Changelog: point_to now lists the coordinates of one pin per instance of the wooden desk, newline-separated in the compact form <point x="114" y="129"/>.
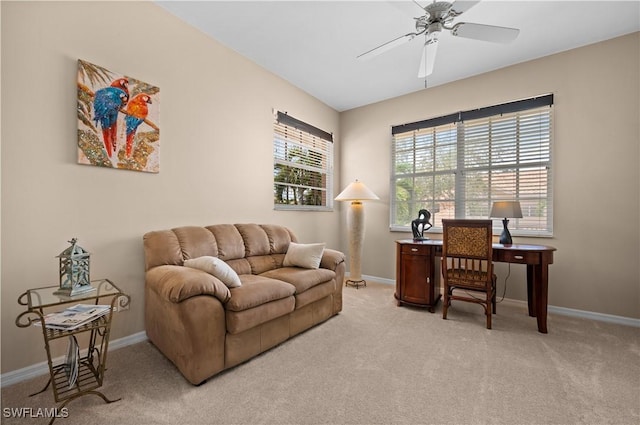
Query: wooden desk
<point x="536" y="257"/>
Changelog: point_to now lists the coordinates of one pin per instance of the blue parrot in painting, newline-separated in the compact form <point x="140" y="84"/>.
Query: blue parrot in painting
<point x="137" y="111"/>
<point x="106" y="104"/>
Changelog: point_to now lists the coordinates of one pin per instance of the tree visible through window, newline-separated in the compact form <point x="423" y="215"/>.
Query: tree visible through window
<point x="303" y="165"/>
<point x="457" y="165"/>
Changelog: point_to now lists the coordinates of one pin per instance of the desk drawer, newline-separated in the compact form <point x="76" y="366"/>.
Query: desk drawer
<point x="522" y="257"/>
<point x="416" y="249"/>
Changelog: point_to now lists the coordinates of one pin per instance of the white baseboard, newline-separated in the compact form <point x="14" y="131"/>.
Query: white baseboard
<point x="564" y="311"/>
<point x="610" y="318"/>
<point x="378" y="279"/>
<point x="42" y="368"/>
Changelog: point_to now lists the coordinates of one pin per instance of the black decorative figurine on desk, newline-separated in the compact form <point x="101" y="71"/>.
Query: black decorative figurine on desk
<point x="420" y="224"/>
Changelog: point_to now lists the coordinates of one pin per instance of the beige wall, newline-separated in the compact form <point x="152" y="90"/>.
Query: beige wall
<point x="216" y="115"/>
<point x="595" y="168"/>
<point x="216" y="160"/>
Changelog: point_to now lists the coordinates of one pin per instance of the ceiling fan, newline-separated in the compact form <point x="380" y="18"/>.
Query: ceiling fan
<point x="439" y="16"/>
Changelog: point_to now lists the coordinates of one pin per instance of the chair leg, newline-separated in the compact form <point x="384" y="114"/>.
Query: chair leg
<point x="494" y="297"/>
<point x="489" y="313"/>
<point x="445" y="302"/>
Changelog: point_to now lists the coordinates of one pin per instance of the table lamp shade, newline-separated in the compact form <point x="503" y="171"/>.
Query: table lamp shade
<point x="506" y="209"/>
<point x="356" y="192"/>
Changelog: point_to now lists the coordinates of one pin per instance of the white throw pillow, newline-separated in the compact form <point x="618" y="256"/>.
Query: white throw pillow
<point x="304" y="255"/>
<point x="216" y="267"/>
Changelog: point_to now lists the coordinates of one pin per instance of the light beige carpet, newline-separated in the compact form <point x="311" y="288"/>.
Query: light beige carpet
<point x="377" y="363"/>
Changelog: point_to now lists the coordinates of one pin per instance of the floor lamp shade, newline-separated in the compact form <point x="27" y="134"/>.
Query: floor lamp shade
<point x="356" y="192"/>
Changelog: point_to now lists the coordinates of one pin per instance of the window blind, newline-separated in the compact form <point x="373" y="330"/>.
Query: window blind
<point x="303" y="165"/>
<point x="456" y="166"/>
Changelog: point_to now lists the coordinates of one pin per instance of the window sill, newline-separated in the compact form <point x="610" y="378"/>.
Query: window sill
<point x="302" y="208"/>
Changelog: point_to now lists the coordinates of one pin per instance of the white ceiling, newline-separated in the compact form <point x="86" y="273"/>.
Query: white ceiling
<point x="314" y="44"/>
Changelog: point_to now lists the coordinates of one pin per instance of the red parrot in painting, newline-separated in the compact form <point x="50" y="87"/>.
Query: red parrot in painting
<point x="121" y="83"/>
<point x="137" y="111"/>
<point x="106" y="104"/>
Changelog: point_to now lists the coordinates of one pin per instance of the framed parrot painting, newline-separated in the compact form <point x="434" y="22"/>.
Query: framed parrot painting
<point x="118" y="120"/>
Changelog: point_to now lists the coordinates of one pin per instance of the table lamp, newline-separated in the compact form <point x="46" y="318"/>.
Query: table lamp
<point x="356" y="192"/>
<point x="506" y="210"/>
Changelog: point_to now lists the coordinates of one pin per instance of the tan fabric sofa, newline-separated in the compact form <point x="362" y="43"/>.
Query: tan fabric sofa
<point x="203" y="326"/>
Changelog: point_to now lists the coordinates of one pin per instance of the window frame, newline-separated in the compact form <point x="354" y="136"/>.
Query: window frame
<point x="293" y="135"/>
<point x="523" y="169"/>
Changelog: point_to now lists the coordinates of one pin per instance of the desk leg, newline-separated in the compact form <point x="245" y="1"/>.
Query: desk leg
<point x="540" y="294"/>
<point x="531" y="302"/>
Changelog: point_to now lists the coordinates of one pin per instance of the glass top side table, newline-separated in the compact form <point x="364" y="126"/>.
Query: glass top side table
<point x="45" y="297"/>
<point x="90" y="366"/>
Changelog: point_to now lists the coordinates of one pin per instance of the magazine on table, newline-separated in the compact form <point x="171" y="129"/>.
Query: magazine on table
<point x="74" y="317"/>
<point x="72" y="360"/>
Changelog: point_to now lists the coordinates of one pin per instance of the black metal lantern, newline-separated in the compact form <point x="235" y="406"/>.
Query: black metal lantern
<point x="74" y="270"/>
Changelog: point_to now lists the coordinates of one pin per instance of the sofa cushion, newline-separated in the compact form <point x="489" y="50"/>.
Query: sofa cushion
<point x="279" y="237"/>
<point x="316" y="293"/>
<point x="229" y="240"/>
<point x="262" y="263"/>
<point x="240" y="265"/>
<point x="301" y="279"/>
<point x="161" y="247"/>
<point x="304" y="255"/>
<point x="196" y="241"/>
<point x="216" y="267"/>
<point x="257" y="290"/>
<point x="240" y="321"/>
<point x="256" y="241"/>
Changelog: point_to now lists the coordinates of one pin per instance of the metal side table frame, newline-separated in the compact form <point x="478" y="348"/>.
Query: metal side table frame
<point x="91" y="364"/>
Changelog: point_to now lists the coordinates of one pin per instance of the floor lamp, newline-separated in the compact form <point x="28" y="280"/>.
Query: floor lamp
<point x="356" y="192"/>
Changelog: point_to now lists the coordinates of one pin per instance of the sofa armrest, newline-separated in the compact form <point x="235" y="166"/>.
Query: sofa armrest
<point x="178" y="283"/>
<point x="331" y="259"/>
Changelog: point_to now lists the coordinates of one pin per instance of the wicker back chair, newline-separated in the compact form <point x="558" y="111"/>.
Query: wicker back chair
<point x="467" y="253"/>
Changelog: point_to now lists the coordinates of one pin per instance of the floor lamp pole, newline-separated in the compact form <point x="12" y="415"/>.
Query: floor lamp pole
<point x="355" y="224"/>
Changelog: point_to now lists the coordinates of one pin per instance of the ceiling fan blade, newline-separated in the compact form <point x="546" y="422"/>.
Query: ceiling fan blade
<point x="406" y="7"/>
<point x="485" y="32"/>
<point x="461" y="6"/>
<point x="428" y="58"/>
<point x="387" y="46"/>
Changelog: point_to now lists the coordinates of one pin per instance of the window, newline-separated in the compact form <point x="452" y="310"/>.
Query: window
<point x="457" y="165"/>
<point x="302" y="165"/>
